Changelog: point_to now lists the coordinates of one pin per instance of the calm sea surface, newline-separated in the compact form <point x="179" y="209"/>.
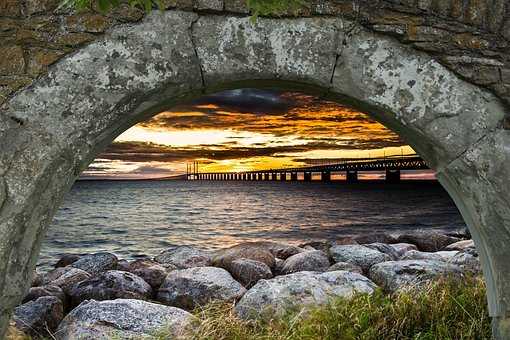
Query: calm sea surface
<point x="134" y="219"/>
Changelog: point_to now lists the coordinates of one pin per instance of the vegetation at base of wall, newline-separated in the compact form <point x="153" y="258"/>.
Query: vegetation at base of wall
<point x="257" y="7"/>
<point x="445" y="310"/>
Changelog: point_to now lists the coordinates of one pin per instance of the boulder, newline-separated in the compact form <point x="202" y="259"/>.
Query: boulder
<point x="189" y="288"/>
<point x="123" y="265"/>
<point x="279" y="250"/>
<point x="252" y="251"/>
<point x="359" y="255"/>
<point x="184" y="257"/>
<point x="461" y="245"/>
<point x="65" y="277"/>
<point x="469" y="262"/>
<point x="248" y="272"/>
<point x="36" y="292"/>
<point x="66" y="260"/>
<point x="345" y="240"/>
<point x="278" y="267"/>
<point x="384" y="248"/>
<point x="317" y="245"/>
<point x="402" y="248"/>
<point x="404" y="274"/>
<point x="152" y="273"/>
<point x="345" y="266"/>
<point x="123" y="319"/>
<point x="36" y="279"/>
<point x="421" y="255"/>
<point x="375" y="238"/>
<point x="273" y="298"/>
<point x="110" y="285"/>
<point x="429" y="241"/>
<point x="308" y="261"/>
<point x="96" y="263"/>
<point x="39" y="317"/>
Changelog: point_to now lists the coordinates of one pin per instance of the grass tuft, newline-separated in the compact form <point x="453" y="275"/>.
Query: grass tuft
<point x="446" y="310"/>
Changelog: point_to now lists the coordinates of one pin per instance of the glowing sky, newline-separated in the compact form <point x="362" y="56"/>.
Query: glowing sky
<point x="244" y="130"/>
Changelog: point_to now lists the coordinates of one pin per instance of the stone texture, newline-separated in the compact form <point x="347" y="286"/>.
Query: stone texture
<point x="375" y="238"/>
<point x="384" y="248"/>
<point x="420" y="255"/>
<point x="315" y="260"/>
<point x="190" y="288"/>
<point x="224" y="258"/>
<point x="248" y="272"/>
<point x="402" y="248"/>
<point x="110" y="285"/>
<point x="345" y="266"/>
<point x="12" y="61"/>
<point x="39" y="317"/>
<point x="65" y="277"/>
<point x="67" y="260"/>
<point x="36" y="292"/>
<point x="150" y="271"/>
<point x="428" y="240"/>
<point x="96" y="263"/>
<point x="461" y="245"/>
<point x="123" y="319"/>
<point x="273" y="298"/>
<point x="411" y="274"/>
<point x="184" y="257"/>
<point x="358" y="255"/>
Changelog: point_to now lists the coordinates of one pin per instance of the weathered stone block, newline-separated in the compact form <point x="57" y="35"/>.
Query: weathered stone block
<point x="11" y="60"/>
<point x="88" y="22"/>
<point x="39" y="60"/>
<point x="10" y="8"/>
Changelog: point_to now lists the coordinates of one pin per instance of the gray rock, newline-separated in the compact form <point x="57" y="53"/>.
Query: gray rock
<point x="421" y="255"/>
<point x="278" y="267"/>
<point x="402" y="248"/>
<point x="110" y="285"/>
<point x="150" y="271"/>
<point x="375" y="238"/>
<point x="250" y="250"/>
<point x="96" y="263"/>
<point x="470" y="263"/>
<point x="65" y="277"/>
<point x="395" y="275"/>
<point x="36" y="292"/>
<point x="36" y="279"/>
<point x="308" y="261"/>
<point x="184" y="257"/>
<point x="248" y="272"/>
<point x="123" y="319"/>
<point x="67" y="260"/>
<point x="279" y="250"/>
<point x="274" y="297"/>
<point x="345" y="266"/>
<point x="384" y="248"/>
<point x="357" y="254"/>
<point x="427" y="240"/>
<point x="123" y="265"/>
<point x="323" y="245"/>
<point x="38" y="317"/>
<point x="189" y="288"/>
<point x="461" y="245"/>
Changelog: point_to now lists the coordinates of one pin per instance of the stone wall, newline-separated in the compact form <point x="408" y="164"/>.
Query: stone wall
<point x="470" y="37"/>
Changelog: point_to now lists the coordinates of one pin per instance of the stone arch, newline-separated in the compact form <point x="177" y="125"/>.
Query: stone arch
<point x="50" y="131"/>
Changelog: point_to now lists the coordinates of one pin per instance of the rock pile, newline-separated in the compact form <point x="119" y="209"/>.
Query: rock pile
<point x="97" y="295"/>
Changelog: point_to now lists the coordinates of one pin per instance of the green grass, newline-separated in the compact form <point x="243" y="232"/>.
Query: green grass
<point x="445" y="310"/>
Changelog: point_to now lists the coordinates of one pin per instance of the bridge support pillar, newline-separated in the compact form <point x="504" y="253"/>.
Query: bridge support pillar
<point x="274" y="177"/>
<point x="351" y="176"/>
<point x="326" y="176"/>
<point x="307" y="176"/>
<point x="266" y="176"/>
<point x="283" y="176"/>
<point x="392" y="176"/>
<point x="293" y="176"/>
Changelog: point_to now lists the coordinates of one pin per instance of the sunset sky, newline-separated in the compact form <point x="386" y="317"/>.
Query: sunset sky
<point x="244" y="130"/>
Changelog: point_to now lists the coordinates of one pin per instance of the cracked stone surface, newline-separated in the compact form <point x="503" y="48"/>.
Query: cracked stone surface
<point x="52" y="129"/>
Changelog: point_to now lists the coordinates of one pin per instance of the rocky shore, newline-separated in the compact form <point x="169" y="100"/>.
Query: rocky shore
<point x="99" y="296"/>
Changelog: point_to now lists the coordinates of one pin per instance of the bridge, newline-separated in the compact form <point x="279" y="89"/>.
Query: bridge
<point x="351" y="167"/>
